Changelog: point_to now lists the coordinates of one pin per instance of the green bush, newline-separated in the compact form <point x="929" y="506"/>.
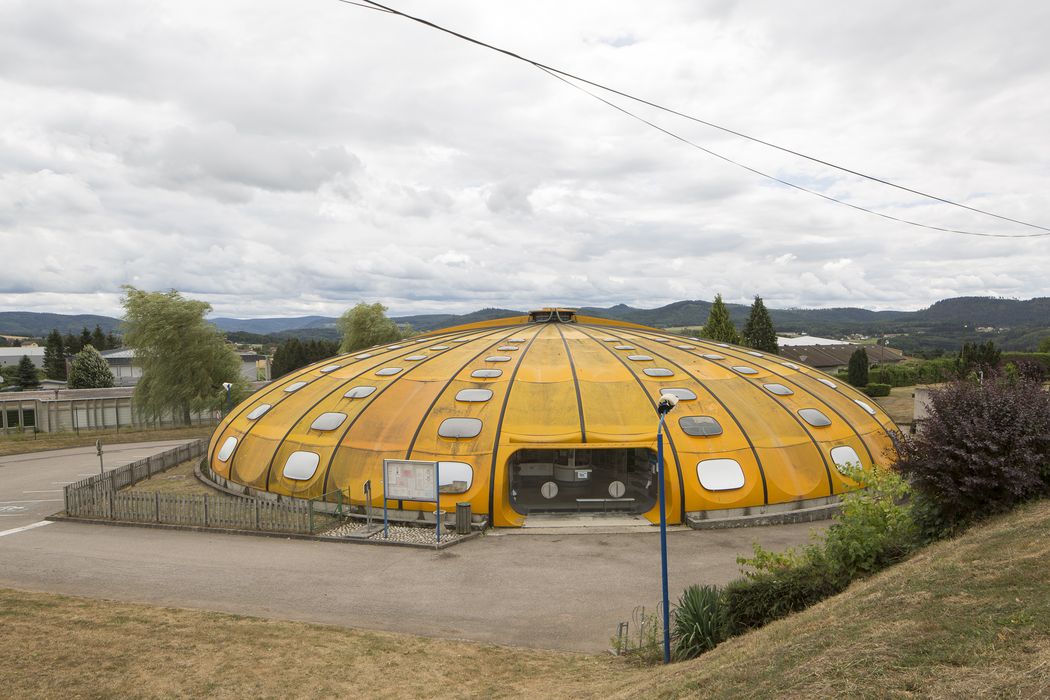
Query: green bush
<point x="699" y="622"/>
<point x="877" y="390"/>
<point x="875" y="528"/>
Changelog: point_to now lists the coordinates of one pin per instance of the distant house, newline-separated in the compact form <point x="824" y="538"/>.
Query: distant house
<point x="833" y="357"/>
<point x="12" y="356"/>
<point x="126" y="373"/>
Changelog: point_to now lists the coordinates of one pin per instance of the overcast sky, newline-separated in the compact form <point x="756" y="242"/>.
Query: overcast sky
<point x="281" y="158"/>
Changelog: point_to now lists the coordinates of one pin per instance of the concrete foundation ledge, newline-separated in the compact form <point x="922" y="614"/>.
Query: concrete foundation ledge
<point x="809" y="510"/>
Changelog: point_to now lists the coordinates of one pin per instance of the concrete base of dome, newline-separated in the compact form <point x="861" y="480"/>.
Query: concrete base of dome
<point x="805" y="511"/>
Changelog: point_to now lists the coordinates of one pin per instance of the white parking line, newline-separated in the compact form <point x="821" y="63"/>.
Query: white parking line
<point x="39" y="500"/>
<point x="16" y="530"/>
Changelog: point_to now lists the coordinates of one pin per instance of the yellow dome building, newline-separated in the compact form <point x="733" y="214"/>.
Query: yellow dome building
<point x="554" y="412"/>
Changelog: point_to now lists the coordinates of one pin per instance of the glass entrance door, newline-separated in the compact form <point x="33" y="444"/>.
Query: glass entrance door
<point x="582" y="480"/>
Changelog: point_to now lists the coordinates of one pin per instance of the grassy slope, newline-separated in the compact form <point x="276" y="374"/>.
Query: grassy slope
<point x="965" y="618"/>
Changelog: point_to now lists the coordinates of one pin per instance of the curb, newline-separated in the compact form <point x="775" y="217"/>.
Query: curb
<point x="802" y="515"/>
<point x="61" y="517"/>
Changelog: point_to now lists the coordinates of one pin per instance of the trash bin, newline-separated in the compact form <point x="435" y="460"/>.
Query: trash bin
<point x="462" y="518"/>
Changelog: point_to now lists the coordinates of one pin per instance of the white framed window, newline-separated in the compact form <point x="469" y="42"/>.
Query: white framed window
<point x="658" y="372"/>
<point x="388" y="371"/>
<point x="301" y="465"/>
<point x="814" y="417"/>
<point x="682" y="393"/>
<point x="778" y="389"/>
<point x="486" y="373"/>
<point x="640" y="358"/>
<point x="455" y="477"/>
<point x="743" y="369"/>
<point x="259" y="410"/>
<point x="845" y="458"/>
<point x="498" y="358"/>
<point x="720" y="474"/>
<point x="226" y="451"/>
<point x="700" y="426"/>
<point x="328" y="421"/>
<point x="330" y="368"/>
<point x="460" y="427"/>
<point x="474" y="395"/>
<point x="293" y="387"/>
<point x="359" y="392"/>
<point x="866" y="406"/>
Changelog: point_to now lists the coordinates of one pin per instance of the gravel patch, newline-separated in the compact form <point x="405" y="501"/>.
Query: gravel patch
<point x="402" y="534"/>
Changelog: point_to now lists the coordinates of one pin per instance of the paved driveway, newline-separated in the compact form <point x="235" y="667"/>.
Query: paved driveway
<point x="551" y="591"/>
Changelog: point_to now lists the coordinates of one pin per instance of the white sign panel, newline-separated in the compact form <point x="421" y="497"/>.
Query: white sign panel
<point x="410" y="480"/>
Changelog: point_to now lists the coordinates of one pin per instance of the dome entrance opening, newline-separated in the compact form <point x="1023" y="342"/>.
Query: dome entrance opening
<point x="604" y="480"/>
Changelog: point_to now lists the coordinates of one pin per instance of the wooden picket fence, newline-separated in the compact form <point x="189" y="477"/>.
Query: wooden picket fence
<point x="100" y="497"/>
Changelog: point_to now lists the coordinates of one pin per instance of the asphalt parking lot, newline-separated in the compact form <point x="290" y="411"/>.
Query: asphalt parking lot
<point x="561" y="591"/>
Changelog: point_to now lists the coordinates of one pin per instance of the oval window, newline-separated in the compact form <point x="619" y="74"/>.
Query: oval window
<point x="699" y="426"/>
<point x="685" y="347"/>
<point x="454" y="477"/>
<point x="516" y="340"/>
<point x="755" y="354"/>
<point x="363" y="356"/>
<point x="778" y="389"/>
<point x="329" y="368"/>
<point x="639" y="358"/>
<point x="259" y="410"/>
<point x="294" y="386"/>
<point x="416" y="358"/>
<point x="845" y="458"/>
<point x="301" y="465"/>
<point x="328" y="421"/>
<point x="791" y="365"/>
<point x="658" y="372"/>
<point x="720" y="474"/>
<point x="745" y="370"/>
<point x="866" y="406"/>
<point x="497" y="358"/>
<point x="227" y="449"/>
<point x="474" y="395"/>
<point x="814" y="417"/>
<point x="359" y="392"/>
<point x="827" y="382"/>
<point x="439" y="347"/>
<point x="459" y="427"/>
<point x="682" y="394"/>
<point x="486" y="373"/>
<point x="625" y="347"/>
<point x="388" y="371"/>
<point x="507" y="348"/>
<point x="712" y="356"/>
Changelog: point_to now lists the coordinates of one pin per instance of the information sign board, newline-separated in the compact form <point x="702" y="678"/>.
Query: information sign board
<point x="410" y="480"/>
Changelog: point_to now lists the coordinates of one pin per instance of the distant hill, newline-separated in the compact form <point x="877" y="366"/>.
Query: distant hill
<point x="1012" y="323"/>
<point x="31" y="323"/>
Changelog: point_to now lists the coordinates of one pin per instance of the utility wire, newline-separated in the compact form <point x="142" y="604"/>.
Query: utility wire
<point x="568" y="77"/>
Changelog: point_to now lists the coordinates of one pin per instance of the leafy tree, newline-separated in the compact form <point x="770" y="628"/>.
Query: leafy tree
<point x="858" y="367"/>
<point x="184" y="359"/>
<point x="719" y="326"/>
<point x="977" y="357"/>
<point x="759" y="332"/>
<point x="27" y="377"/>
<point x="55" y="356"/>
<point x="366" y="325"/>
<point x="89" y="370"/>
<point x="1044" y="346"/>
<point x="3" y="342"/>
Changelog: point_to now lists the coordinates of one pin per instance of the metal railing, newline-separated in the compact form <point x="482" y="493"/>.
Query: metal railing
<point x="100" y="497"/>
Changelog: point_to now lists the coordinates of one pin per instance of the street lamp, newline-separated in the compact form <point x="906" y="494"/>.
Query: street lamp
<point x="227" y="386"/>
<point x="666" y="404"/>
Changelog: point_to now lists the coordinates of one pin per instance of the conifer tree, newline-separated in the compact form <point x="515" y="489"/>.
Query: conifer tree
<point x="85" y="338"/>
<point x="72" y="344"/>
<point x="89" y="371"/>
<point x="759" y="332"/>
<point x="55" y="356"/>
<point x="858" y="368"/>
<point x="27" y="377"/>
<point x="719" y="326"/>
<point x="98" y="339"/>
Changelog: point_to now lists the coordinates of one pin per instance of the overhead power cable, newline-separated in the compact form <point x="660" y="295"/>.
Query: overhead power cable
<point x="568" y="78"/>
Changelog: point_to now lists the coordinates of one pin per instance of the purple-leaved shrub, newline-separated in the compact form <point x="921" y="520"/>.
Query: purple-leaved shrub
<point x="983" y="449"/>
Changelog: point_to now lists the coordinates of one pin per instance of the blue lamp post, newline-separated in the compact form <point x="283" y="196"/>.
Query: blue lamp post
<point x="227" y="386"/>
<point x="666" y="404"/>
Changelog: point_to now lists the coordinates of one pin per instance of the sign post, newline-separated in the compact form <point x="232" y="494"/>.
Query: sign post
<point x="411" y="480"/>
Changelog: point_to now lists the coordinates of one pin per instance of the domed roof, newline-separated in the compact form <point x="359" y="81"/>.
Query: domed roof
<point x="555" y="403"/>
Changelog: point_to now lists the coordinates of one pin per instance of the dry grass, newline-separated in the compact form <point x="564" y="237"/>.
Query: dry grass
<point x="900" y="404"/>
<point x="965" y="618"/>
<point x="180" y="479"/>
<point x="20" y="443"/>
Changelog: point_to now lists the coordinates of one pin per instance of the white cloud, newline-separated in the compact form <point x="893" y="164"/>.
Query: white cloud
<point x="275" y="158"/>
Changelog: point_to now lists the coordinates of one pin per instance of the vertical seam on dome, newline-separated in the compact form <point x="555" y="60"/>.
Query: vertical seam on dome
<point x="831" y="408"/>
<point x="670" y="440"/>
<point x="499" y="424"/>
<point x="375" y="396"/>
<point x="736" y="421"/>
<point x="426" y="414"/>
<point x="778" y="402"/>
<point x="575" y="382"/>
